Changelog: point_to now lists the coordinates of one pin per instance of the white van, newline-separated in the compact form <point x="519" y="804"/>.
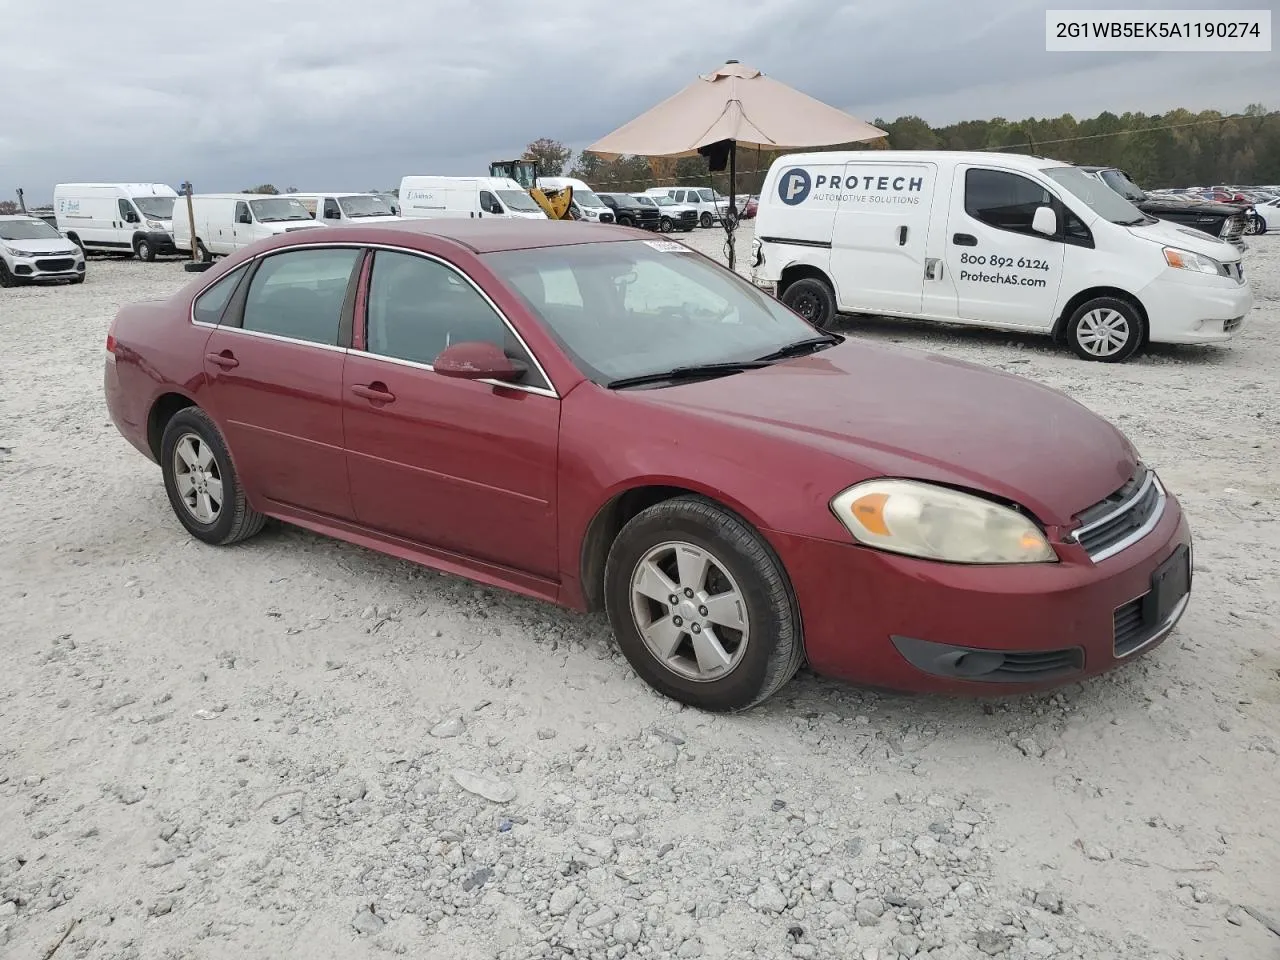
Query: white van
<point x="467" y="197"/>
<point x="132" y="218"/>
<point x="702" y="199"/>
<point x="225" y="222"/>
<point x="345" y="209"/>
<point x="589" y="206"/>
<point x="996" y="240"/>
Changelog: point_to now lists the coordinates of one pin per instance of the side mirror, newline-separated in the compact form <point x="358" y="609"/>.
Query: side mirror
<point x="1045" y="221"/>
<point x="476" y="360"/>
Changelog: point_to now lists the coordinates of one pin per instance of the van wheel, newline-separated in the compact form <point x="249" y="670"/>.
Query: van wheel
<point x="666" y="224"/>
<point x="701" y="606"/>
<point x="1105" y="329"/>
<point x="144" y="251"/>
<point x="76" y="240"/>
<point x="814" y="300"/>
<point x="706" y="220"/>
<point x="202" y="254"/>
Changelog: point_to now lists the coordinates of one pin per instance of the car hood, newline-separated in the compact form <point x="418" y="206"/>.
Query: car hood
<point x="902" y="413"/>
<point x="1167" y="232"/>
<point x="1159" y="205"/>
<point x="53" y="245"/>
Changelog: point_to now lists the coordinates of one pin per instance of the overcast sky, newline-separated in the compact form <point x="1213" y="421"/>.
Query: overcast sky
<point x="329" y="94"/>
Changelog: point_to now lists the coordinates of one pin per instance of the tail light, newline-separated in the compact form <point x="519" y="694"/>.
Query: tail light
<point x="111" y="341"/>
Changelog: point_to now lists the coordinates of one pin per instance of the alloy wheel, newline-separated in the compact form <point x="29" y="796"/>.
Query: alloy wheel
<point x="689" y="611"/>
<point x="198" y="479"/>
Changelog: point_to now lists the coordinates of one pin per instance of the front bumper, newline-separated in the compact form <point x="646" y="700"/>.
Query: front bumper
<point x="161" y="242"/>
<point x="1194" y="312"/>
<point x="47" y="267"/>
<point x="900" y="623"/>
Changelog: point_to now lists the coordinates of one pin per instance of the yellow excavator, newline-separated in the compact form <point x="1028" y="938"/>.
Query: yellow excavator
<point x="556" y="203"/>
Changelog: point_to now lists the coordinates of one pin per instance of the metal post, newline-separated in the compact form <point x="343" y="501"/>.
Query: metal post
<point x="191" y="218"/>
<point x="22" y="203"/>
<point x="731" y="215"/>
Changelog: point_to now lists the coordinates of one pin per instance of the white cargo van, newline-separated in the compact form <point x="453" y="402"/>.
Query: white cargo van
<point x="345" y="209"/>
<point x="467" y="197"/>
<point x="225" y="222"/>
<point x="589" y="207"/>
<point x="132" y="218"/>
<point x="996" y="240"/>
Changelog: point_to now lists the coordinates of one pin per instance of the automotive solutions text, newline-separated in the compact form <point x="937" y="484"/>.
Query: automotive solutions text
<point x="836" y="184"/>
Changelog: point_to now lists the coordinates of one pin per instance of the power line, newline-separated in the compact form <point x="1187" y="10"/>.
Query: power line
<point x="1122" y="133"/>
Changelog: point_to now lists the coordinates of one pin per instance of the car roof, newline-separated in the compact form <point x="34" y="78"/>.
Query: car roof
<point x="21" y="216"/>
<point x="480" y="236"/>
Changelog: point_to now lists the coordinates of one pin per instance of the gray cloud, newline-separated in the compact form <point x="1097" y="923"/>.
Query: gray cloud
<point x="316" y="93"/>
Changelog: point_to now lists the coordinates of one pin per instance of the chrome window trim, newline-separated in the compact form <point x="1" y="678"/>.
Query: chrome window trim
<point x="1157" y="513"/>
<point x="540" y="391"/>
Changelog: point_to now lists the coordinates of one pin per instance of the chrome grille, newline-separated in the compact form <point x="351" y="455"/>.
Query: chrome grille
<point x="1228" y="326"/>
<point x="1123" y="518"/>
<point x="1233" y="227"/>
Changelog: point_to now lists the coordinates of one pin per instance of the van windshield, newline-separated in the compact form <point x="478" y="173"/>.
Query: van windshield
<point x="27" y="230"/>
<point x="1096" y="195"/>
<point x="586" y="198"/>
<point x="706" y="195"/>
<point x="360" y="206"/>
<point x="156" y="208"/>
<point x="277" y="209"/>
<point x="518" y="200"/>
<point x="645" y="201"/>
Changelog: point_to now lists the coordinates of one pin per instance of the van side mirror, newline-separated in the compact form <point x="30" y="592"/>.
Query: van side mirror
<point x="1045" y="221"/>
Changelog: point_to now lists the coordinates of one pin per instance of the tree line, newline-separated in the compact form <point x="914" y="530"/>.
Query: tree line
<point x="1178" y="148"/>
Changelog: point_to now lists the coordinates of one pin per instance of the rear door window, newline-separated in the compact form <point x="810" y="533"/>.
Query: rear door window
<point x="209" y="306"/>
<point x="300" y="294"/>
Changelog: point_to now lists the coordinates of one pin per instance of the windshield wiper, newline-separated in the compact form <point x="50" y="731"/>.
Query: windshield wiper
<point x="800" y="348"/>
<point x="693" y="371"/>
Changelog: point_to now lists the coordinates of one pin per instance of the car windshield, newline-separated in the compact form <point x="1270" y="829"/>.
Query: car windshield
<point x="640" y="307"/>
<point x="277" y="209"/>
<point x="1122" y="185"/>
<point x="518" y="200"/>
<point x="362" y="206"/>
<point x="664" y="201"/>
<point x="1096" y="195"/>
<point x="586" y="198"/>
<point x="157" y="208"/>
<point x="27" y="230"/>
<point x="645" y="201"/>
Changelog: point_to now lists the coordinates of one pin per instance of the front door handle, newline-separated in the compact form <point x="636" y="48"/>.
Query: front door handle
<point x="902" y="236"/>
<point x="376" y="391"/>
<point x="226" y="359"/>
<point x="965" y="240"/>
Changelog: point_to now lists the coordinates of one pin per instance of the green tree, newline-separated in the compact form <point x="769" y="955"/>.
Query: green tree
<point x="552" y="155"/>
<point x="266" y="188"/>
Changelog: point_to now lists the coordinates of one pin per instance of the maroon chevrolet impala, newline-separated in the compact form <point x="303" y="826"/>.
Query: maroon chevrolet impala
<point x="605" y="420"/>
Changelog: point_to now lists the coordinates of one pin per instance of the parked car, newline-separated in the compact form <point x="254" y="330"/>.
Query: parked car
<point x="702" y="199"/>
<point x="671" y="215"/>
<point x="338" y="207"/>
<point x="32" y="251"/>
<point x="225" y="222"/>
<point x="1270" y="214"/>
<point x="630" y="212"/>
<point x="509" y="401"/>
<point x="750" y="208"/>
<point x="1225" y="221"/>
<point x="994" y="240"/>
<point x="132" y="218"/>
<point x="467" y="198"/>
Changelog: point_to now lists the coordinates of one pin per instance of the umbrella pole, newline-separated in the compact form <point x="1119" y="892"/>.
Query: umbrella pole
<point x="731" y="215"/>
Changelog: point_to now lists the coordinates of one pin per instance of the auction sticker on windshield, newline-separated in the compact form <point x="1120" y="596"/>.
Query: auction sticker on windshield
<point x="668" y="246"/>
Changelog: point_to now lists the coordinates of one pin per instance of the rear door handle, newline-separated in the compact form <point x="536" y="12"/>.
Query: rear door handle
<point x="226" y="359"/>
<point x="965" y="240"/>
<point x="902" y="236"/>
<point x="376" y="391"/>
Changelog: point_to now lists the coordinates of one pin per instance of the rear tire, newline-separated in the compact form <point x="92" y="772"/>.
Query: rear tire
<point x="201" y="481"/>
<point x="706" y="220"/>
<point x="1106" y="330"/>
<point x="721" y="572"/>
<point x="202" y="253"/>
<point x="814" y="300"/>
<point x="144" y="251"/>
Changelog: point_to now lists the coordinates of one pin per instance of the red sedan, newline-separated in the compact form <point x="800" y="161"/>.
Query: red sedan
<point x="603" y="419"/>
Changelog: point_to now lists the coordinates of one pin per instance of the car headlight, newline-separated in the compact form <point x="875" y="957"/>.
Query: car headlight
<point x="154" y="225"/>
<point x="1195" y="262"/>
<point x="938" y="523"/>
<point x="757" y="252"/>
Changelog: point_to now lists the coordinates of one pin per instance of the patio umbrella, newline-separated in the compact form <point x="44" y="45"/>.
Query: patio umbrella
<point x="734" y="104"/>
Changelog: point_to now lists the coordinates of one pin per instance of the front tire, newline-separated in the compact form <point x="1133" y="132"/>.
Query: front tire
<point x="7" y="279"/>
<point x="814" y="300"/>
<point x="666" y="224"/>
<point x="706" y="220"/>
<point x="624" y="221"/>
<point x="202" y="252"/>
<point x="701" y="606"/>
<point x="1255" y="227"/>
<point x="1106" y="330"/>
<point x="201" y="481"/>
<point x="144" y="251"/>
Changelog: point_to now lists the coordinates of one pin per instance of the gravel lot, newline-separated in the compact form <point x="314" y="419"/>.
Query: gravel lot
<point x="300" y="748"/>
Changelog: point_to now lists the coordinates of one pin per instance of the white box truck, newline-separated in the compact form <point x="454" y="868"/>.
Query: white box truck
<point x="135" y="218"/>
<point x="225" y="222"/>
<point x="995" y="240"/>
<point x="467" y="197"/>
<point x="345" y="209"/>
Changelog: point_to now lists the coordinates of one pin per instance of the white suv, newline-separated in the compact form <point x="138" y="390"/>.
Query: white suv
<point x="30" y="249"/>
